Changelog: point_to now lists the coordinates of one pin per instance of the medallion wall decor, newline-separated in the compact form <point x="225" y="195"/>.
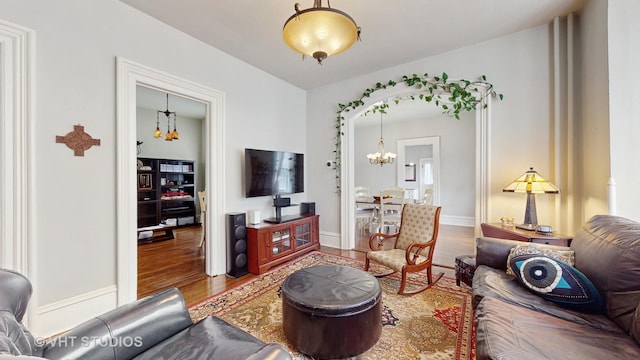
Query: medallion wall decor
<point x="453" y="96"/>
<point x="78" y="140"/>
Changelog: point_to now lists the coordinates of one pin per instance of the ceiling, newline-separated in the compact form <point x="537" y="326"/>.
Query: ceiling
<point x="393" y="32"/>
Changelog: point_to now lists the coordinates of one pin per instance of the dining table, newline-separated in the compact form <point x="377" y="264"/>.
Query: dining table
<point x="373" y="202"/>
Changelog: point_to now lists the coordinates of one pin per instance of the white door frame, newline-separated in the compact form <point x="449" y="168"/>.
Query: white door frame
<point x="17" y="79"/>
<point x="17" y="57"/>
<point x="129" y="76"/>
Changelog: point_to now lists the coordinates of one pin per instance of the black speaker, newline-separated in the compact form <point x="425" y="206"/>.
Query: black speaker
<point x="308" y="208"/>
<point x="236" y="245"/>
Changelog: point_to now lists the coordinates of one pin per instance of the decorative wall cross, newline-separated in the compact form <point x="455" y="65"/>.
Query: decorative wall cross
<point x="78" y="140"/>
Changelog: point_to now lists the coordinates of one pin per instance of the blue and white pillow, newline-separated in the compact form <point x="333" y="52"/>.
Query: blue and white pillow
<point x="556" y="281"/>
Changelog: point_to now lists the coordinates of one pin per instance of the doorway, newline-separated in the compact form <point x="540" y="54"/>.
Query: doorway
<point x="423" y="154"/>
<point x="170" y="149"/>
<point x="129" y="76"/>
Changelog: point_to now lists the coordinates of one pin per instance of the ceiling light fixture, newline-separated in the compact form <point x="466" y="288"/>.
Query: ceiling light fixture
<point x="320" y="31"/>
<point x="171" y="135"/>
<point x="381" y="157"/>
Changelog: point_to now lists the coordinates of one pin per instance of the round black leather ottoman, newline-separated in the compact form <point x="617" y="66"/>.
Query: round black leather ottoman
<point x="332" y="311"/>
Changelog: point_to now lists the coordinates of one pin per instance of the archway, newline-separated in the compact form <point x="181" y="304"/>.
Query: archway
<point x="406" y="91"/>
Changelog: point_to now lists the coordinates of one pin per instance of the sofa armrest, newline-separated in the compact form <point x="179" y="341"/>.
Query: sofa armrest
<point x="125" y="331"/>
<point x="494" y="252"/>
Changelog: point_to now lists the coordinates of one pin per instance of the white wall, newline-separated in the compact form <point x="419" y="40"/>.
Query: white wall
<point x="519" y="67"/>
<point x="610" y="109"/>
<point x="74" y="222"/>
<point x="623" y="28"/>
<point x="595" y="108"/>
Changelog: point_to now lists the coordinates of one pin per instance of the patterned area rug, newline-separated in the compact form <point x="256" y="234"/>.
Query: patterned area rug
<point x="435" y="324"/>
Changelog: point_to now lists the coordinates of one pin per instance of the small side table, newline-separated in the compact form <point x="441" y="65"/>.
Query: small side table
<point x="500" y="231"/>
<point x="465" y="268"/>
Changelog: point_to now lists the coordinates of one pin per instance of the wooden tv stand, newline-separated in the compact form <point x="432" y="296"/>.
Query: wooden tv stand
<point x="269" y="245"/>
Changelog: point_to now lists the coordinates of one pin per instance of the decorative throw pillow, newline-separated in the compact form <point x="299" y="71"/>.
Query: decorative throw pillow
<point x="556" y="281"/>
<point x="567" y="256"/>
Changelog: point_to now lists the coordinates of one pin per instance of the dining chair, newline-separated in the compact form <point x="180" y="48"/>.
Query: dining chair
<point x="202" y="196"/>
<point x="364" y="213"/>
<point x="391" y="203"/>
<point x="413" y="246"/>
<point x="427" y="198"/>
<point x="394" y="190"/>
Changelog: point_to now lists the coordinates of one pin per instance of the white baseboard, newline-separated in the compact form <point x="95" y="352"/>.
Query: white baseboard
<point x="457" y="220"/>
<point x="330" y="239"/>
<point x="57" y="317"/>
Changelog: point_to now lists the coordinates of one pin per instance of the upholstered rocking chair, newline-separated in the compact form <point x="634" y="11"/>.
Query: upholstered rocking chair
<point x="413" y="248"/>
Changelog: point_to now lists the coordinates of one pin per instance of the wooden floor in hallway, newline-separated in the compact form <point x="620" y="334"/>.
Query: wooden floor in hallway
<point x="180" y="262"/>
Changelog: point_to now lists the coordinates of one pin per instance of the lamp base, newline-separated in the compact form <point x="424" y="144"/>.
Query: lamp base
<point x="529" y="227"/>
<point x="530" y="215"/>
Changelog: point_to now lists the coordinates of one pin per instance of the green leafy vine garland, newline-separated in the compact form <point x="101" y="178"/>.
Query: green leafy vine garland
<point x="452" y="96"/>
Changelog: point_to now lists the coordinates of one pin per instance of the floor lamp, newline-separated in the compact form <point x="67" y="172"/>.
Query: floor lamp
<point x="531" y="183"/>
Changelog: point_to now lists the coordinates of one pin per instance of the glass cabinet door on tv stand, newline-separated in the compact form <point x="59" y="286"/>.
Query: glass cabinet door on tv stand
<point x="303" y="234"/>
<point x="280" y="242"/>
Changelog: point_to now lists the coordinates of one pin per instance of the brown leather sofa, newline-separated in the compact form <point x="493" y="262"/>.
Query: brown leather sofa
<point x="515" y="323"/>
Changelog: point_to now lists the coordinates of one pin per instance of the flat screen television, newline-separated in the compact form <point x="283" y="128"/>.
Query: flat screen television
<point x="271" y="173"/>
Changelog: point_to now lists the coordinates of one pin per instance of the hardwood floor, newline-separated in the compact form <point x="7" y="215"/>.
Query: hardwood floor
<point x="452" y="241"/>
<point x="180" y="262"/>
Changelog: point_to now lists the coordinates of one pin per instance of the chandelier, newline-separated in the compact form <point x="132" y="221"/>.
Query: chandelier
<point x="320" y="31"/>
<point x="381" y="157"/>
<point x="171" y="135"/>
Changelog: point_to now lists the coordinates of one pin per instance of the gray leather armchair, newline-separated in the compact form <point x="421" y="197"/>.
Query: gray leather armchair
<point x="155" y="327"/>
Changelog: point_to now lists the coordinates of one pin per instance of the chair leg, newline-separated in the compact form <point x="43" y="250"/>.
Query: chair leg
<point x="430" y="282"/>
<point x="203" y="233"/>
<point x="378" y="275"/>
<point x="403" y="283"/>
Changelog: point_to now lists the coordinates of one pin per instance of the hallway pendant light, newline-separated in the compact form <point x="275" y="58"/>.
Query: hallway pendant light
<point x="319" y="31"/>
<point x="174" y="133"/>
<point x="171" y="135"/>
<point x="157" y="133"/>
<point x="381" y="157"/>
